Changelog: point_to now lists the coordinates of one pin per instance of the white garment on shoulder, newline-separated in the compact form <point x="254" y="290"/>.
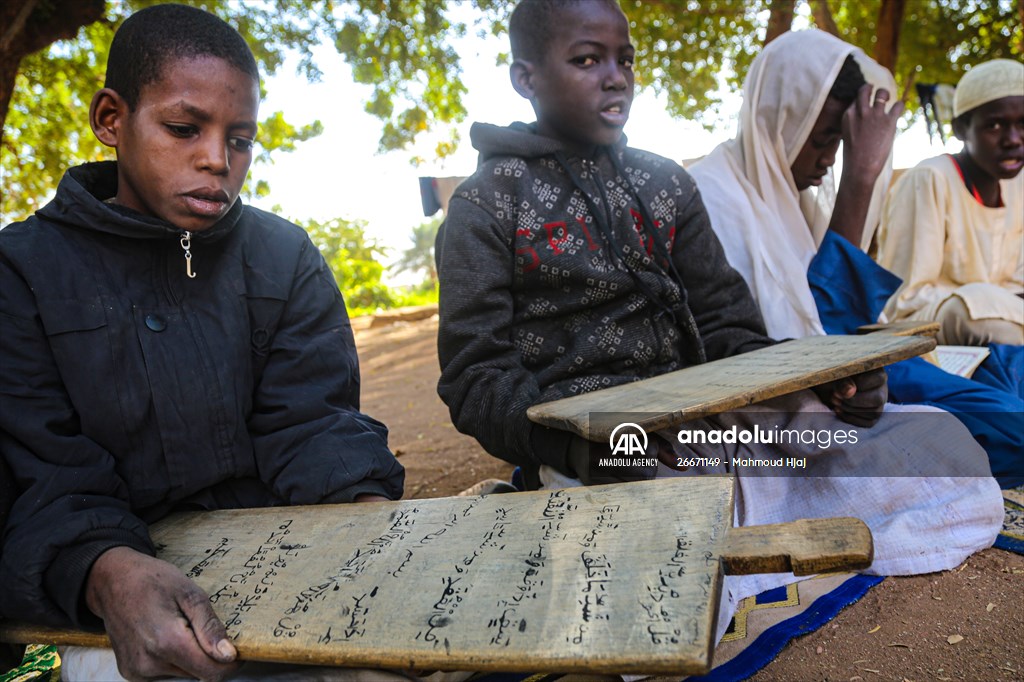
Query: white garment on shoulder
<point x="942" y="242"/>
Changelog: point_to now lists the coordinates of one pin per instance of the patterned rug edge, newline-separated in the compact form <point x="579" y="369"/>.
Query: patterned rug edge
<point x="769" y="643"/>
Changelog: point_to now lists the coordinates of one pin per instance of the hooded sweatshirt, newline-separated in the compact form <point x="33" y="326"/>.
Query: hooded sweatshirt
<point x="129" y="390"/>
<point x="561" y="275"/>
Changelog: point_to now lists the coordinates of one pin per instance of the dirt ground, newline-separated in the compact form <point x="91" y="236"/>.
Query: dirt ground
<point x="964" y="624"/>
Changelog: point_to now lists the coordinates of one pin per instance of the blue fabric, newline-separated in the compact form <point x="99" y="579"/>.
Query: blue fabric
<point x="1009" y="543"/>
<point x="850" y="290"/>
<point x="1003" y="368"/>
<point x="771" y="596"/>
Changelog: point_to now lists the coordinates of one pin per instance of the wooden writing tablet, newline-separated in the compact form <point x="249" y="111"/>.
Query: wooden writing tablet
<point x="619" y="578"/>
<point x="701" y="390"/>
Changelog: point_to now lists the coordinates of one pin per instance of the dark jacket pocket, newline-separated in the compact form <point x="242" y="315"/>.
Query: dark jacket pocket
<point x="72" y="315"/>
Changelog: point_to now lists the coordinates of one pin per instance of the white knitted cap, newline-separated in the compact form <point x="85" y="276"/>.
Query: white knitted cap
<point x="987" y="82"/>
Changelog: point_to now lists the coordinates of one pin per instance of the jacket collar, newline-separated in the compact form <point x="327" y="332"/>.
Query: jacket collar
<point x="80" y="203"/>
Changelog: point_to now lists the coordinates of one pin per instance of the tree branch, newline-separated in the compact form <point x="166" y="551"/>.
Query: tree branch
<point x="890" y="21"/>
<point x="16" y="25"/>
<point x="907" y="87"/>
<point x="780" y="20"/>
<point x="32" y="27"/>
<point x="823" y="19"/>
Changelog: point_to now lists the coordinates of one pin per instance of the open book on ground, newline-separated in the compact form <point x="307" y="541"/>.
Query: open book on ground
<point x="958" y="360"/>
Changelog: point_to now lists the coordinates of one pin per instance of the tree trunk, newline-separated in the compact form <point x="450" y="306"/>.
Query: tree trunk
<point x="780" y="20"/>
<point x="822" y="14"/>
<point x="30" y="25"/>
<point x="8" y="70"/>
<point x="887" y="35"/>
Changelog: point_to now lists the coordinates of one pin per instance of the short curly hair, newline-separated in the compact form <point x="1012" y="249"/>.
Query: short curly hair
<point x="151" y="37"/>
<point x="849" y="81"/>
<point x="529" y="28"/>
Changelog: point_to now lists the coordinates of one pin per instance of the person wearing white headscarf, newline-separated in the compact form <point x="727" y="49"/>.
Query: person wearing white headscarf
<point x="771" y="200"/>
<point x="770" y="221"/>
<point x="953" y="226"/>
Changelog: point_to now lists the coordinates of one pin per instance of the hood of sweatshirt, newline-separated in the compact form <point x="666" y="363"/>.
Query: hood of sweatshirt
<point x="81" y="203"/>
<point x="518" y="139"/>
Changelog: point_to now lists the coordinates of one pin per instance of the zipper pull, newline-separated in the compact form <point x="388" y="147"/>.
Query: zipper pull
<point x="186" y="244"/>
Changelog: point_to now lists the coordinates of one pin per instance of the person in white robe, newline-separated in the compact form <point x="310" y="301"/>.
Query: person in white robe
<point x="953" y="226"/>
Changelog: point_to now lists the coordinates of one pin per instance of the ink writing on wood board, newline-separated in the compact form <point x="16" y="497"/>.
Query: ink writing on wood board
<point x="622" y="578"/>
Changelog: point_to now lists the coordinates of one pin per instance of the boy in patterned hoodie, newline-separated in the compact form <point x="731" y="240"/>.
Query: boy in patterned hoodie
<point x="570" y="262"/>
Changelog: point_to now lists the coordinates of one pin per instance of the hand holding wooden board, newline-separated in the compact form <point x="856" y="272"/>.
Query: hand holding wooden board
<point x="619" y="578"/>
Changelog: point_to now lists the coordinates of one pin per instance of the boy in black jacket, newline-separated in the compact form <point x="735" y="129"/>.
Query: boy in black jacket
<point x="570" y="262"/>
<point x="165" y="347"/>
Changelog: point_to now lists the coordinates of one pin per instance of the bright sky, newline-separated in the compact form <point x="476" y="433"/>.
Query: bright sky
<point x="340" y="173"/>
